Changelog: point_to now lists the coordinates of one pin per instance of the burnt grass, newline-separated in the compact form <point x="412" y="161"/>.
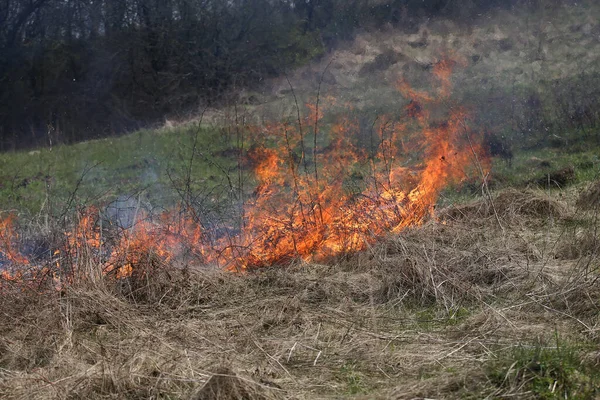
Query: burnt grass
<point x="494" y="298"/>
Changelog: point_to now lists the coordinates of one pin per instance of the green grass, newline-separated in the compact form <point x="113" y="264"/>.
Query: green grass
<point x="152" y="164"/>
<point x="352" y="379"/>
<point x="435" y="318"/>
<point x="550" y="371"/>
<point x="147" y="162"/>
<point x="528" y="166"/>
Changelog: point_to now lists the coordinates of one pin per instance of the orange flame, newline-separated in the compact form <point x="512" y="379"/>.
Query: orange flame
<point x="8" y="237"/>
<point x="310" y="202"/>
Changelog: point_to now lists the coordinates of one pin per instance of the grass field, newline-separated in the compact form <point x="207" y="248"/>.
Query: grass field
<point x="494" y="295"/>
<point x="101" y="170"/>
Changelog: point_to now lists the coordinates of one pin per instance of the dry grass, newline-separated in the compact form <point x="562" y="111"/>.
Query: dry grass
<point x="510" y="206"/>
<point x="590" y="198"/>
<point x="422" y="315"/>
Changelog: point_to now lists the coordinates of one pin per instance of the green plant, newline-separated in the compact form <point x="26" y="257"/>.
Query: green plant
<point x="434" y="318"/>
<point x="549" y="371"/>
<point x="352" y="378"/>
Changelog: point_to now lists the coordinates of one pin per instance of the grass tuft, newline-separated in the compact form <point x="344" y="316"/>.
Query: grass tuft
<point x="554" y="371"/>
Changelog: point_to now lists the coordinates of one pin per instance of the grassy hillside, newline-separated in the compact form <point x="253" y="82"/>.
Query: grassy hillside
<point x="155" y="164"/>
<point x="490" y="292"/>
<point x="145" y="162"/>
<point x="529" y="77"/>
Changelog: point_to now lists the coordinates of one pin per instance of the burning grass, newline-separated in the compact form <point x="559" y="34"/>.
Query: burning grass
<point x="442" y="310"/>
<point x="315" y="196"/>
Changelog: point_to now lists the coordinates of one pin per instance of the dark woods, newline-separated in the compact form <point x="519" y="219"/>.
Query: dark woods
<point x="75" y="69"/>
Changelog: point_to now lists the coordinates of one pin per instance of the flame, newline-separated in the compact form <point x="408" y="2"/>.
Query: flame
<point x="313" y="216"/>
<point x="316" y="196"/>
<point x="8" y="238"/>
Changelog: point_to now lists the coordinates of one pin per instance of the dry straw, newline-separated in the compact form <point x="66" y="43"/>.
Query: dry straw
<point x="452" y="295"/>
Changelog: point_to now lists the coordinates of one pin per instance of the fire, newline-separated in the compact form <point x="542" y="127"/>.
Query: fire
<point x="311" y="214"/>
<point x="316" y="195"/>
<point x="8" y="237"/>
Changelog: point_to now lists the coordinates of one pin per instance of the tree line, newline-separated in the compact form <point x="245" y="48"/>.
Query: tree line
<point x="72" y="70"/>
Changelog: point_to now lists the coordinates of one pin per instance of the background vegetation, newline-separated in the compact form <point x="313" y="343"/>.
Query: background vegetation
<point x="71" y="70"/>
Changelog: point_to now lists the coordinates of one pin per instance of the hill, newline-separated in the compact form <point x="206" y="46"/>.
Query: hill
<point x="413" y="216"/>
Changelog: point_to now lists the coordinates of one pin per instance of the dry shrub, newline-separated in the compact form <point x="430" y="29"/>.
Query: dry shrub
<point x="559" y="178"/>
<point x="529" y="203"/>
<point x="153" y="280"/>
<point x="590" y="197"/>
<point x="509" y="205"/>
<point x="582" y="244"/>
<point x="91" y="308"/>
<point x="224" y="384"/>
<point x="148" y="281"/>
<point x="87" y="343"/>
<point x="27" y="322"/>
<point x="578" y="297"/>
<point x="433" y="264"/>
<point x="422" y="273"/>
<point x="407" y="267"/>
<point x="304" y="330"/>
<point x="443" y="264"/>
